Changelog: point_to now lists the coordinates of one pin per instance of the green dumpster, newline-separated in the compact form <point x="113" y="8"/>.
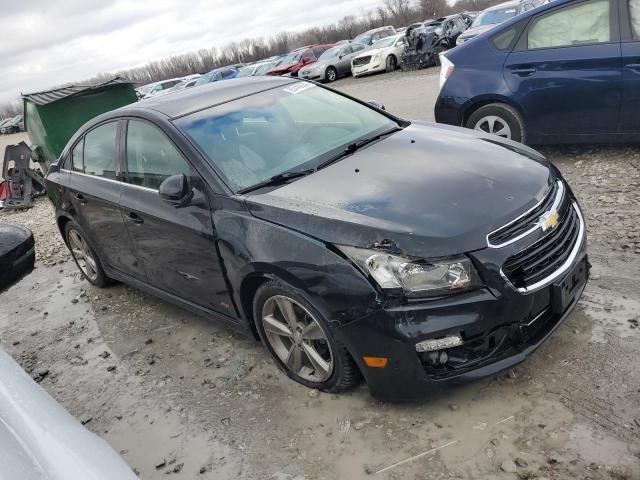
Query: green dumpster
<point x="52" y="117"/>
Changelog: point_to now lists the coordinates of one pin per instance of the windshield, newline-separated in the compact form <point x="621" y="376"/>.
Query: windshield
<point x="146" y="88"/>
<point x="491" y="17"/>
<point x="385" y="42"/>
<point x="204" y="79"/>
<point x="332" y="52"/>
<point x="293" y="57"/>
<point x="262" y="69"/>
<point x="246" y="71"/>
<point x="288" y="128"/>
<point x="365" y="39"/>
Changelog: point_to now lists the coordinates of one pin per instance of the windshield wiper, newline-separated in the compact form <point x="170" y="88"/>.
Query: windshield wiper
<point x="277" y="179"/>
<point x="354" y="147"/>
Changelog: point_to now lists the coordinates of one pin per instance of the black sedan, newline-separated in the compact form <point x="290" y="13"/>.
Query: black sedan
<point x="352" y="242"/>
<point x="17" y="253"/>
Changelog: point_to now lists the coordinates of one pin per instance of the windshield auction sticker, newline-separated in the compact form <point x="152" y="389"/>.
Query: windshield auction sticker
<point x="298" y="87"/>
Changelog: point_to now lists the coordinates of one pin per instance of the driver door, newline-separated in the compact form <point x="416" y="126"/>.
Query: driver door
<point x="176" y="245"/>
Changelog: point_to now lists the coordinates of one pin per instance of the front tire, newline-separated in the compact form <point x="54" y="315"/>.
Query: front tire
<point x="85" y="257"/>
<point x="331" y="75"/>
<point x="498" y="119"/>
<point x="391" y="64"/>
<point x="298" y="337"/>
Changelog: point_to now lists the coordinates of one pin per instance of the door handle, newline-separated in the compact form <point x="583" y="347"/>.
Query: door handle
<point x="633" y="66"/>
<point x="523" y="71"/>
<point x="80" y="197"/>
<point x="135" y="218"/>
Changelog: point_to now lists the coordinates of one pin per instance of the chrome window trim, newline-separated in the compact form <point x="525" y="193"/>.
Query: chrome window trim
<point x="119" y="182"/>
<point x="563" y="268"/>
<point x="556" y="204"/>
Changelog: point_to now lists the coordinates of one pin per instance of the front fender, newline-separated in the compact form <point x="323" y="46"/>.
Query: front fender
<point x="253" y="247"/>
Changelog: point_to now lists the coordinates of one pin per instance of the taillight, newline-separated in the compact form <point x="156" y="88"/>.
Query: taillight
<point x="446" y="69"/>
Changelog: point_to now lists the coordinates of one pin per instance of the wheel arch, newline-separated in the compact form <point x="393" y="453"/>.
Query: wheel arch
<point x="471" y="107"/>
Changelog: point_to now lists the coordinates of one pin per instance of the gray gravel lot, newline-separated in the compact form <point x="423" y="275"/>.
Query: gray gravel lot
<point x="188" y="392"/>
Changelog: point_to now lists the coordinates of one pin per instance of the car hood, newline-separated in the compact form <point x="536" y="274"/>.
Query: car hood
<point x="283" y="68"/>
<point x="475" y="31"/>
<point x="430" y="190"/>
<point x="371" y="52"/>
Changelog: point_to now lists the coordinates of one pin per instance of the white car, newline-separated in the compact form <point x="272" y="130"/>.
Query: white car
<point x="153" y="89"/>
<point x="383" y="56"/>
<point x="40" y="440"/>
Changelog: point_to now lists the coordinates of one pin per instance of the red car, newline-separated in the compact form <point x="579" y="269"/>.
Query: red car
<point x="298" y="58"/>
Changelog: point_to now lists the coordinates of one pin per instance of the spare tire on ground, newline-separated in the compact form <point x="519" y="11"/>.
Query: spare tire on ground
<point x="17" y="253"/>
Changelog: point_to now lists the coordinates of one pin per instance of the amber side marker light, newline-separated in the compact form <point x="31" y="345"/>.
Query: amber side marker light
<point x="376" y="362"/>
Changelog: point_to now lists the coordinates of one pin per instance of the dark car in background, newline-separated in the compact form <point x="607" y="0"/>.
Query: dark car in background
<point x="457" y="256"/>
<point x="297" y="59"/>
<point x="447" y="29"/>
<point x="566" y="72"/>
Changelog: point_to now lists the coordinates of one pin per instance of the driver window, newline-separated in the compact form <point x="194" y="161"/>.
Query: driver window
<point x="151" y="157"/>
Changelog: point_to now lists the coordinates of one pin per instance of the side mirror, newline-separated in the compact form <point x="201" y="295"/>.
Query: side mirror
<point x="378" y="105"/>
<point x="175" y="190"/>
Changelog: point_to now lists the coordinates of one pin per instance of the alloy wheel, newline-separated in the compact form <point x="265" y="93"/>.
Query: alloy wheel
<point x="493" y="125"/>
<point x="83" y="255"/>
<point x="331" y="75"/>
<point x="297" y="339"/>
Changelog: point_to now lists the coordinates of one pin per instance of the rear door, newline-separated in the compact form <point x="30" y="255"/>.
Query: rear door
<point x="176" y="245"/>
<point x="566" y="70"/>
<point x="630" y="31"/>
<point x="94" y="194"/>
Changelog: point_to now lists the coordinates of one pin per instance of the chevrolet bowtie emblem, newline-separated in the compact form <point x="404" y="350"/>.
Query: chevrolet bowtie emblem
<point x="549" y="220"/>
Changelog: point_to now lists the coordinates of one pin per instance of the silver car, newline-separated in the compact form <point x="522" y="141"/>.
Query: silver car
<point x="332" y="64"/>
<point x="40" y="440"/>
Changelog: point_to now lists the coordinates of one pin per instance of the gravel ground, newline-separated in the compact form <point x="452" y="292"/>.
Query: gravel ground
<point x="178" y="395"/>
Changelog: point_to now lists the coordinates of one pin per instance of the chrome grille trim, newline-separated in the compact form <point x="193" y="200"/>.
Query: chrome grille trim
<point x="563" y="268"/>
<point x="556" y="203"/>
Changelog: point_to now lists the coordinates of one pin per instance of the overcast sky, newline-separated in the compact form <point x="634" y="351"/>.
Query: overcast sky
<point x="45" y="43"/>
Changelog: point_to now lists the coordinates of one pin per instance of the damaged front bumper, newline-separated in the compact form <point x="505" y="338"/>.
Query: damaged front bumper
<point x="498" y="333"/>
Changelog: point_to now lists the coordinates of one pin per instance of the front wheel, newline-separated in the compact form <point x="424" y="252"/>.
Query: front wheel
<point x="331" y="74"/>
<point x="498" y="119"/>
<point x="85" y="257"/>
<point x="299" y="339"/>
<point x="392" y="63"/>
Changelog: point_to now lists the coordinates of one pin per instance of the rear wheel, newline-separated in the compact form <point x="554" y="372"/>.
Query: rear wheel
<point x="85" y="257"/>
<point x="392" y="63"/>
<point x="331" y="74"/>
<point x="498" y="119"/>
<point x="299" y="339"/>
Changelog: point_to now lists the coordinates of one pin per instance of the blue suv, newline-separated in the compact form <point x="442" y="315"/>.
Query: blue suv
<point x="566" y="72"/>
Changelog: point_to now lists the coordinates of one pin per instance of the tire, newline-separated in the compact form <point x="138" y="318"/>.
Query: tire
<point x="331" y="74"/>
<point x="498" y="119"/>
<point x="391" y="63"/>
<point x="337" y="372"/>
<point x="81" y="250"/>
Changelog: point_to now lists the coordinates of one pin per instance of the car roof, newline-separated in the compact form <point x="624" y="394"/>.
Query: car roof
<point x="191" y="100"/>
<point x="500" y="6"/>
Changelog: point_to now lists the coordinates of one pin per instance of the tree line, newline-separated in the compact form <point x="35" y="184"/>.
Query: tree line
<point x="391" y="12"/>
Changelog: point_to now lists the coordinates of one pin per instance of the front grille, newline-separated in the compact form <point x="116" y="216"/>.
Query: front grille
<point x="541" y="259"/>
<point x="357" y="62"/>
<point x="528" y="222"/>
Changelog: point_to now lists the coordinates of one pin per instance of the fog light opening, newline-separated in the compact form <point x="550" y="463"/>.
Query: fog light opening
<point x="439" y="344"/>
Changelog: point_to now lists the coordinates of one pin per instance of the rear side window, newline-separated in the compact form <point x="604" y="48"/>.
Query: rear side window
<point x="77" y="164"/>
<point x="582" y="24"/>
<point x="151" y="156"/>
<point x="100" y="151"/>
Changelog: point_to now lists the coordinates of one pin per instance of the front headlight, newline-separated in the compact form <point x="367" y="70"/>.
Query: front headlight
<point x="416" y="277"/>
